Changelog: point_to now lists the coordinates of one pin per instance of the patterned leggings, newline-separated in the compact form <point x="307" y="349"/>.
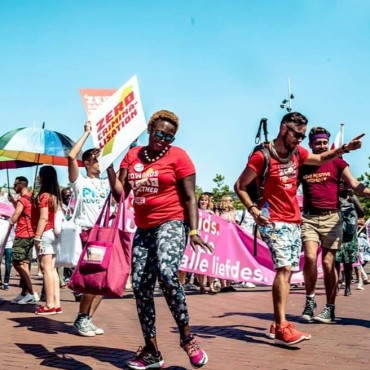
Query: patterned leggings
<point x="157" y="253"/>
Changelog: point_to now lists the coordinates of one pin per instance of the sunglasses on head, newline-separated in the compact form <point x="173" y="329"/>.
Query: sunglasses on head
<point x="166" y="137"/>
<point x="296" y="134"/>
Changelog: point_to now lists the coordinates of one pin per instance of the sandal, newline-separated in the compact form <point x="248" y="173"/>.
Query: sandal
<point x="202" y="291"/>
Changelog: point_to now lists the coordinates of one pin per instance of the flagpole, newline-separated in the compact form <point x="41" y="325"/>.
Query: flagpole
<point x="341" y="134"/>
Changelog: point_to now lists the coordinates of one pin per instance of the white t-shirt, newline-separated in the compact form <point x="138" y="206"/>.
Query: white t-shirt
<point x="93" y="192"/>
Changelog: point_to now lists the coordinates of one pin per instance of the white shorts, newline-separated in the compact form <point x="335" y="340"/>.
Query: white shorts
<point x="48" y="243"/>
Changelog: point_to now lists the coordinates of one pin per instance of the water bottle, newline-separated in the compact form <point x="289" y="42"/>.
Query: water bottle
<point x="265" y="213"/>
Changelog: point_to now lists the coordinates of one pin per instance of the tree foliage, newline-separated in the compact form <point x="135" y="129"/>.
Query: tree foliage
<point x="222" y="189"/>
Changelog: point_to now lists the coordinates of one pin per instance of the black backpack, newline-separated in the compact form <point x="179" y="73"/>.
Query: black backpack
<point x="349" y="218"/>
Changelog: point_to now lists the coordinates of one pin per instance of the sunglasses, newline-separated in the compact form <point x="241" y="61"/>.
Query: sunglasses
<point x="296" y="134"/>
<point x="162" y="136"/>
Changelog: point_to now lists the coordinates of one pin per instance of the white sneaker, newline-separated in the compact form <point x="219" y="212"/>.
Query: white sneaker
<point x="97" y="331"/>
<point x="17" y="299"/>
<point x="27" y="299"/>
<point x="248" y="284"/>
<point x="36" y="297"/>
<point x="360" y="287"/>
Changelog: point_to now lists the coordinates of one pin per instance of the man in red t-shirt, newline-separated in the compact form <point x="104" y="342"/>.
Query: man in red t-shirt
<point x="23" y="241"/>
<point x="321" y="222"/>
<point x="281" y="231"/>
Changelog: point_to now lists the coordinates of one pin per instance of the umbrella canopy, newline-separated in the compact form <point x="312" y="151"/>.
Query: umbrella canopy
<point x="36" y="145"/>
<point x="7" y="163"/>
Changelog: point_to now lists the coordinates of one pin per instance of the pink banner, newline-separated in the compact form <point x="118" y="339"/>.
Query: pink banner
<point x="232" y="258"/>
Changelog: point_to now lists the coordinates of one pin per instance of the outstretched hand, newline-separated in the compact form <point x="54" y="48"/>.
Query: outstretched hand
<point x="355" y="143"/>
<point x="196" y="240"/>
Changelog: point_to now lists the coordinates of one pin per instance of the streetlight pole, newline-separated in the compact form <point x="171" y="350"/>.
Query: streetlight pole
<point x="287" y="103"/>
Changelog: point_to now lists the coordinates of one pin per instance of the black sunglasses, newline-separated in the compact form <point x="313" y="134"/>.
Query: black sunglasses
<point x="296" y="134"/>
<point x="161" y="135"/>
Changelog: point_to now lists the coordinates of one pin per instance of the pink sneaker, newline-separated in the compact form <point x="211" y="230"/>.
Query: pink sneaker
<point x="197" y="356"/>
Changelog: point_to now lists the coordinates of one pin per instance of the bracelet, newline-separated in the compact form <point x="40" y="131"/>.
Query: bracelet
<point x="37" y="239"/>
<point x="193" y="232"/>
<point x="345" y="149"/>
<point x="250" y="207"/>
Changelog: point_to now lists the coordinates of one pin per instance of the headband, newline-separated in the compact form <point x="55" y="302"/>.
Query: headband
<point x="320" y="136"/>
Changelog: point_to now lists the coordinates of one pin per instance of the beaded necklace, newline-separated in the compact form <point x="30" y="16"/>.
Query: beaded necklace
<point x="161" y="154"/>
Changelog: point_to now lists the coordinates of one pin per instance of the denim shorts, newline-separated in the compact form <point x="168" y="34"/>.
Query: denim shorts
<point x="284" y="243"/>
<point x="48" y="243"/>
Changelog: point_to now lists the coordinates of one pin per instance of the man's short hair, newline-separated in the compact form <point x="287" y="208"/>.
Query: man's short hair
<point x="22" y="179"/>
<point x="296" y="118"/>
<point x="87" y="154"/>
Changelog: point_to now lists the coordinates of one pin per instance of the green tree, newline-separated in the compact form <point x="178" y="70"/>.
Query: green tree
<point x="222" y="189"/>
<point x="198" y="191"/>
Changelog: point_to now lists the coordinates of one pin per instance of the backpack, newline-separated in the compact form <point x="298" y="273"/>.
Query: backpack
<point x="349" y="218"/>
<point x="256" y="187"/>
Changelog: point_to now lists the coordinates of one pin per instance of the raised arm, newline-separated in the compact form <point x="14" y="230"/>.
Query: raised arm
<point x="319" y="159"/>
<point x="73" y="170"/>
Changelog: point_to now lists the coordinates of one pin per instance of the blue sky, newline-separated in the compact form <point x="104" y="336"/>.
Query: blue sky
<point x="220" y="65"/>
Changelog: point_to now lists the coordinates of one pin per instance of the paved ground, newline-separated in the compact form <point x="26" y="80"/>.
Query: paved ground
<point x="232" y="328"/>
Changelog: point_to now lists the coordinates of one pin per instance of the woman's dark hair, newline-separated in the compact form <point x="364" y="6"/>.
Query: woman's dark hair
<point x="49" y="183"/>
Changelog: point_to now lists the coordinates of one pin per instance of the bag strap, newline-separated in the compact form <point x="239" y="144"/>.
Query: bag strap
<point x="77" y="204"/>
<point x="118" y="220"/>
<point x="105" y="211"/>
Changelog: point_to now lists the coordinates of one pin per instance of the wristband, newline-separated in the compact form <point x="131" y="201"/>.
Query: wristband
<point x="193" y="232"/>
<point x="37" y="240"/>
<point x="345" y="149"/>
<point x="250" y="207"/>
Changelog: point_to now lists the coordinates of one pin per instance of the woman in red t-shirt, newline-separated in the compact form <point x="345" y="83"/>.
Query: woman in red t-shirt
<point x="162" y="178"/>
<point x="48" y="201"/>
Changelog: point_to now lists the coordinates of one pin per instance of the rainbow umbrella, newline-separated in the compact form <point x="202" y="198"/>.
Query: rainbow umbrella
<point x="7" y="163"/>
<point x="36" y="145"/>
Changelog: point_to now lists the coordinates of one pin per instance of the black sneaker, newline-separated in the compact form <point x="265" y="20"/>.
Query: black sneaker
<point x="145" y="360"/>
<point x="326" y="316"/>
<point x="309" y="308"/>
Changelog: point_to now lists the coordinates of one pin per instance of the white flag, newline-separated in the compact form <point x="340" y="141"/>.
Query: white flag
<point x="339" y="138"/>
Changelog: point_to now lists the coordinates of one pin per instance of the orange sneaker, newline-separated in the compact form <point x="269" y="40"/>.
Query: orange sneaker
<point x="287" y="335"/>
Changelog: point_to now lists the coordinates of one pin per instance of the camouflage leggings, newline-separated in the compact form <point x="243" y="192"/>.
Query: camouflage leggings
<point x="157" y="253"/>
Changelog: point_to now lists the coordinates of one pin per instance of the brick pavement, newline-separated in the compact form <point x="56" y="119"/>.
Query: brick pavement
<point x="232" y="328"/>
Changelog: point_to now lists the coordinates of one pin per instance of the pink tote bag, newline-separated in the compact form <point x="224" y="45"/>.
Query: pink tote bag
<point x="104" y="264"/>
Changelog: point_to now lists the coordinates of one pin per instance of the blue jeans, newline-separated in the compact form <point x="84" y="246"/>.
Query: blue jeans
<point x="8" y="264"/>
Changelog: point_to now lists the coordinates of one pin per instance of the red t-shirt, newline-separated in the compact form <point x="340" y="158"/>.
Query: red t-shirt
<point x="320" y="185"/>
<point x="24" y="227"/>
<point x="46" y="201"/>
<point x="281" y="185"/>
<point x="157" y="194"/>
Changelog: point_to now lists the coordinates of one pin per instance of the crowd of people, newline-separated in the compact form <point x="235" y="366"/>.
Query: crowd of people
<point x="162" y="179"/>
